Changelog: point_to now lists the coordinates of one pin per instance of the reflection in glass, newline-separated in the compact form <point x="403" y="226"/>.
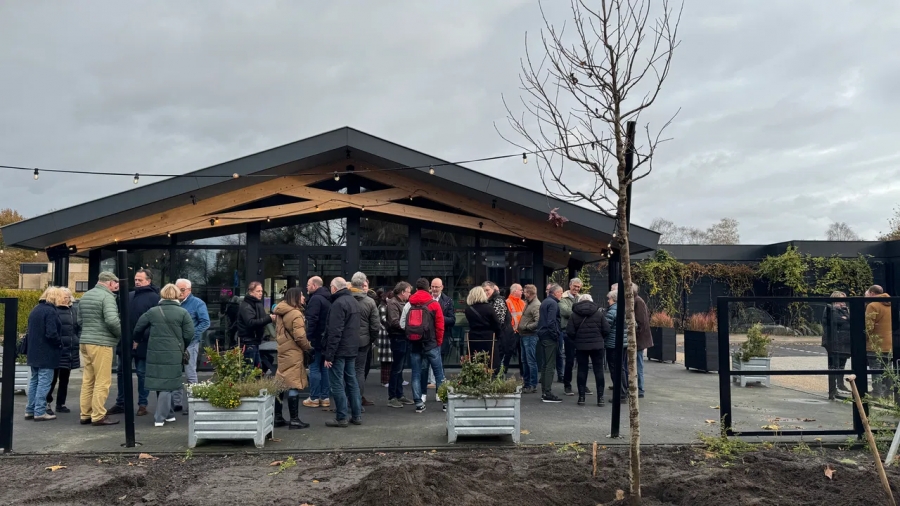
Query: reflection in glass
<point x="438" y="239"/>
<point x="319" y="233"/>
<point x="327" y="266"/>
<point x="374" y="232"/>
<point x="384" y="268"/>
<point x="224" y="240"/>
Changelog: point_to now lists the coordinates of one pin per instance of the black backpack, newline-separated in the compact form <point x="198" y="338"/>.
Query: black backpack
<point x="419" y="322"/>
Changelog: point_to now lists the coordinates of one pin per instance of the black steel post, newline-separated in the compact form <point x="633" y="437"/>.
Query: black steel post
<point x="724" y="365"/>
<point x="858" y="358"/>
<point x="125" y="365"/>
<point x="8" y="380"/>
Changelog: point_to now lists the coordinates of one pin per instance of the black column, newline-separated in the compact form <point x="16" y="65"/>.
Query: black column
<point x="93" y="267"/>
<point x="537" y="267"/>
<point x="351" y="262"/>
<point x="254" y="264"/>
<point x="125" y="369"/>
<point x="61" y="271"/>
<point x="415" y="253"/>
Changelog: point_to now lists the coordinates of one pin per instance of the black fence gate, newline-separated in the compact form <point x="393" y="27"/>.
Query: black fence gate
<point x="858" y="358"/>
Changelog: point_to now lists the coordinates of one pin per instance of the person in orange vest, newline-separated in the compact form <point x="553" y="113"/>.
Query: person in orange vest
<point x="516" y="307"/>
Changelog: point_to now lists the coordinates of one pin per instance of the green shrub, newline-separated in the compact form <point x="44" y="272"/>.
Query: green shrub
<point x="27" y="300"/>
<point x="234" y="378"/>
<point x="756" y="345"/>
<point x="476" y="379"/>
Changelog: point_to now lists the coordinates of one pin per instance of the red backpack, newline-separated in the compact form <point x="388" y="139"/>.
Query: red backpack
<point x="419" y="322"/>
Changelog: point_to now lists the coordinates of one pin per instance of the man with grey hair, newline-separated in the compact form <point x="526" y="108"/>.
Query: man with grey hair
<point x="565" y="361"/>
<point x="341" y="350"/>
<point x="548" y="341"/>
<point x="370" y="327"/>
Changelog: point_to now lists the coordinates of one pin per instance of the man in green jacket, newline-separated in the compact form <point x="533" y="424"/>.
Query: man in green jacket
<point x="101" y="329"/>
<point x="567" y="347"/>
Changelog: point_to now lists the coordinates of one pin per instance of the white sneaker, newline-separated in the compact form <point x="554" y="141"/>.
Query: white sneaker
<point x="424" y="397"/>
<point x="171" y="419"/>
<point x="387" y="385"/>
<point x="405" y="383"/>
<point x="158" y="424"/>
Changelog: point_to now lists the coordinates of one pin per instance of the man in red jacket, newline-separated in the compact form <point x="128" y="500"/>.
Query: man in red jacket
<point x="423" y="321"/>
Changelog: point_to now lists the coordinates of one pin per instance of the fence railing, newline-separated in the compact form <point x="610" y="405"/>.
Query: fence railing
<point x="8" y="374"/>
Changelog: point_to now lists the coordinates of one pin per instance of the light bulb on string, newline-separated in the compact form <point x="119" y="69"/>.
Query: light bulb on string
<point x="524" y="157"/>
<point x="337" y="177"/>
<point x="268" y="219"/>
<point x="431" y="170"/>
<point x="363" y="208"/>
<point x="137" y="178"/>
<point x="37" y="174"/>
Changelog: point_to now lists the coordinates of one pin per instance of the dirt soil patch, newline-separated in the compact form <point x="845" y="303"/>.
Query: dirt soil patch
<point x="524" y="476"/>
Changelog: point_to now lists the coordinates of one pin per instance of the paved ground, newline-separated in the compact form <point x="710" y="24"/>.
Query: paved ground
<point x="679" y="405"/>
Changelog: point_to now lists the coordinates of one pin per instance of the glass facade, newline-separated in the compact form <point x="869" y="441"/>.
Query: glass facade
<point x="387" y="249"/>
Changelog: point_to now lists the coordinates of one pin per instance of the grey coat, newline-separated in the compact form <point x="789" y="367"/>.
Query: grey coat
<point x="369" y="318"/>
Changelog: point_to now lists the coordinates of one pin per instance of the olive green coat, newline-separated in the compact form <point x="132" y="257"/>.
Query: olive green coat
<point x="171" y="330"/>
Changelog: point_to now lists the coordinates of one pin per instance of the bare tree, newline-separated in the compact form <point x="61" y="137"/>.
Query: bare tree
<point x="579" y="97"/>
<point x="841" y="231"/>
<point x="723" y="232"/>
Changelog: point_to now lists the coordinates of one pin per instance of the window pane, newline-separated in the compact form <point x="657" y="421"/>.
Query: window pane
<point x="437" y="239"/>
<point x="215" y="275"/>
<point x="374" y="232"/>
<point x="384" y="268"/>
<point x="320" y="233"/>
<point x="511" y="242"/>
<point x="224" y="240"/>
<point x="326" y="266"/>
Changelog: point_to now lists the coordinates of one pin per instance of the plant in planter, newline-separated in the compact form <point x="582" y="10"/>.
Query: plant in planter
<point x="701" y="342"/>
<point x="662" y="328"/>
<point x="479" y="403"/>
<point x="238" y="403"/>
<point x="753" y="355"/>
<point x="23" y="372"/>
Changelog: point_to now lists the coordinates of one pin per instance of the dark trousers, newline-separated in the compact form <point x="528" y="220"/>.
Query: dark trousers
<point x="547" y="349"/>
<point x="615" y="359"/>
<point x="61" y="375"/>
<point x="399" y="348"/>
<point x="836" y="361"/>
<point x="267" y="364"/>
<point x="251" y="354"/>
<point x="569" y="362"/>
<point x="595" y="357"/>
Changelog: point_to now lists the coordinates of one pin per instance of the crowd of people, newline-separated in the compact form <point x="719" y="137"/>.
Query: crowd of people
<point x="323" y="343"/>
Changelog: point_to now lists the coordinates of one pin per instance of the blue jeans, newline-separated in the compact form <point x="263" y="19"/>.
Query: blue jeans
<point x="140" y="368"/>
<point x="343" y="376"/>
<point x="560" y="358"/>
<point x="419" y="362"/>
<point x="529" y="364"/>
<point x="38" y="388"/>
<point x="251" y="354"/>
<point x="398" y="351"/>
<point x="319" y="387"/>
<point x="640" y="370"/>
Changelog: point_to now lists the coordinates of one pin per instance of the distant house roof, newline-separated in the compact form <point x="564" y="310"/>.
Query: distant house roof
<point x="56" y="227"/>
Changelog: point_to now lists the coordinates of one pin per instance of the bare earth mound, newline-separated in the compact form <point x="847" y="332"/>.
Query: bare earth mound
<point x="524" y="476"/>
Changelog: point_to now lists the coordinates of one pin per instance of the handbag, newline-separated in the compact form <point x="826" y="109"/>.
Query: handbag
<point x="185" y="356"/>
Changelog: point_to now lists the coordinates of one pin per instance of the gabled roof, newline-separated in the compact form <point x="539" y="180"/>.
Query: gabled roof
<point x="56" y="227"/>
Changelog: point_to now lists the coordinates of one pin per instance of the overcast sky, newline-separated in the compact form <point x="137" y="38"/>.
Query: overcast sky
<point x="789" y="109"/>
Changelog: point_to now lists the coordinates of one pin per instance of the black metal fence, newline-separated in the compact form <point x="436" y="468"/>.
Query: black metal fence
<point x="732" y="312"/>
<point x="8" y="377"/>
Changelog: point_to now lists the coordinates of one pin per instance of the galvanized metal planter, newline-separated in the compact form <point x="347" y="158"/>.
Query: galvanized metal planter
<point x="496" y="415"/>
<point x="23" y="376"/>
<point x="754" y="364"/>
<point x="253" y="419"/>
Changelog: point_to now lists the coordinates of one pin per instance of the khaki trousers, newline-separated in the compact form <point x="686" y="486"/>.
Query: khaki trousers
<point x="95" y="380"/>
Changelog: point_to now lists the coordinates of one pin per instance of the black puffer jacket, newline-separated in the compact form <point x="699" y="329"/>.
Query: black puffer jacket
<point x="139" y="302"/>
<point x="252" y="321"/>
<point x="587" y="326"/>
<point x="43" y="336"/>
<point x="69" y="357"/>
<point x="342" y="328"/>
<point x="317" y="316"/>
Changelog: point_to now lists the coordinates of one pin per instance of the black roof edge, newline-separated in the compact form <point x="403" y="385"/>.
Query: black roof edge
<point x="642" y="239"/>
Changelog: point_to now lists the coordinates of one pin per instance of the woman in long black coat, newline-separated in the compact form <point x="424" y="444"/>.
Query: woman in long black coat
<point x="589" y="329"/>
<point x="69" y="357"/>
<point x="483" y="323"/>
<point x="836" y="341"/>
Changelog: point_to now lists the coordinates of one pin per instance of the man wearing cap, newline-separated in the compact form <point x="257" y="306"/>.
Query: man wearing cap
<point x="98" y="317"/>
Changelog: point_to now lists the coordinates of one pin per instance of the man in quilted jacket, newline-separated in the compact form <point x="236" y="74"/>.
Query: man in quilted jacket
<point x="101" y="330"/>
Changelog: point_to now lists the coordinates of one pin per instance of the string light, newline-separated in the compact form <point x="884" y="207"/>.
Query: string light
<point x="337" y="177"/>
<point x="137" y="178"/>
<point x="235" y="175"/>
<point x="168" y="234"/>
<point x="317" y="207"/>
<point x="524" y="157"/>
<point x="363" y="208"/>
<point x="268" y="219"/>
<point x="37" y="174"/>
<point x="431" y="170"/>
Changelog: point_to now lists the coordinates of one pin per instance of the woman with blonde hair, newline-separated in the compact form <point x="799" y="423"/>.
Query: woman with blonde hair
<point x="69" y="357"/>
<point x="171" y="330"/>
<point x="483" y="323"/>
<point x="290" y="331"/>
<point x="42" y="345"/>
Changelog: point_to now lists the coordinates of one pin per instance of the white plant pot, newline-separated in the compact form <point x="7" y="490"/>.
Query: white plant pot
<point x="753" y="366"/>
<point x="491" y="416"/>
<point x="253" y="419"/>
